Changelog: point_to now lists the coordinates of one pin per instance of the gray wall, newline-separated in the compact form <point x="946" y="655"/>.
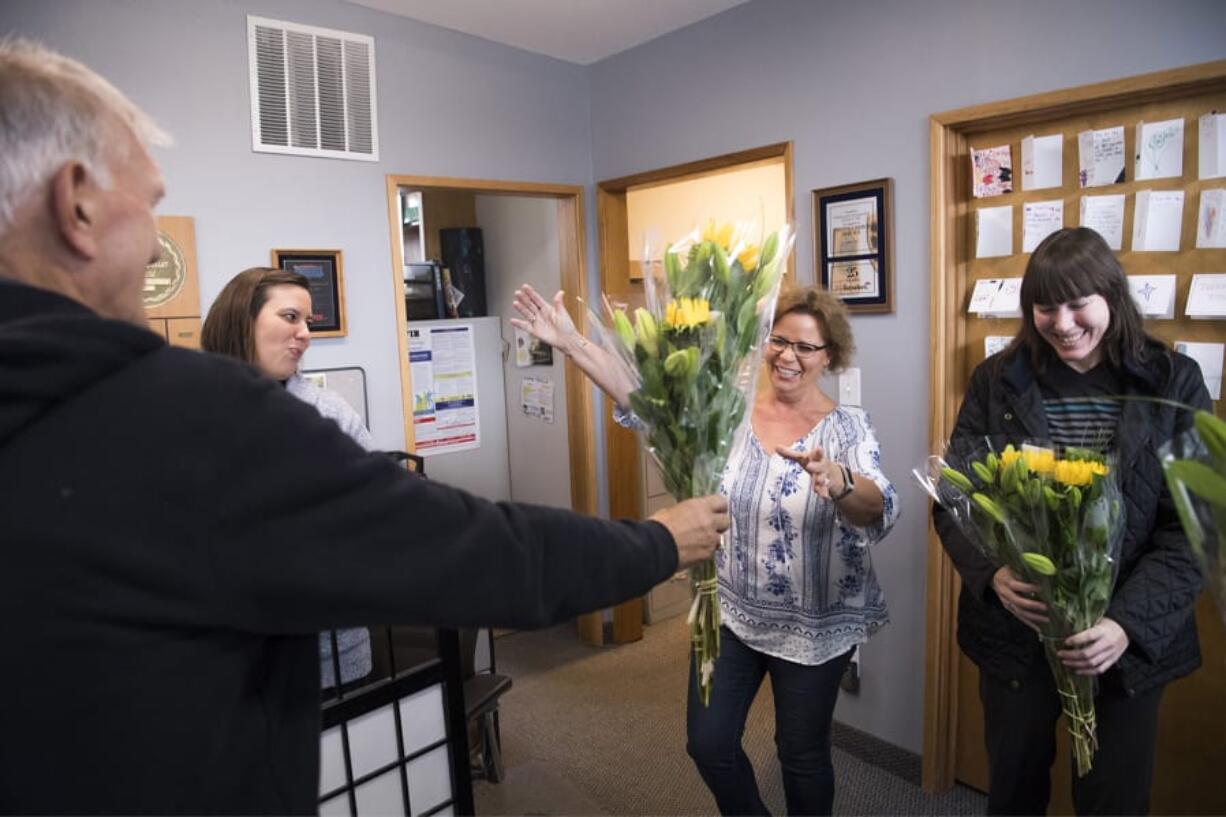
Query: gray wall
<point x="521" y="247"/>
<point x="851" y="83"/>
<point x="449" y="105"/>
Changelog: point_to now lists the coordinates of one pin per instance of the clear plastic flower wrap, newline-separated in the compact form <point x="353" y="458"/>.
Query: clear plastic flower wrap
<point x="1195" y="467"/>
<point x="1055" y="518"/>
<point x="692" y="354"/>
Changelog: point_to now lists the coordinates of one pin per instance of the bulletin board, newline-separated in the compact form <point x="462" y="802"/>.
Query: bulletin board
<point x="1193" y="720"/>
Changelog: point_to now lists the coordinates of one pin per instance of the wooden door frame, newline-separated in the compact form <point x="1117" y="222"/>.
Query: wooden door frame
<point x="572" y="249"/>
<point x="623" y="466"/>
<point x="949" y="171"/>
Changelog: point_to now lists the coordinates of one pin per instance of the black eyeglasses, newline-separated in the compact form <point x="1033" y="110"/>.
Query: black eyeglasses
<point x="799" y="347"/>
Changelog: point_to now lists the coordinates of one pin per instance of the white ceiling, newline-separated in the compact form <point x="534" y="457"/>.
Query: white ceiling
<point x="579" y="31"/>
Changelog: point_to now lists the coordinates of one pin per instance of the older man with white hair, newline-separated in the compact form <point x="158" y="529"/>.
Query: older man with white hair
<point x="176" y="529"/>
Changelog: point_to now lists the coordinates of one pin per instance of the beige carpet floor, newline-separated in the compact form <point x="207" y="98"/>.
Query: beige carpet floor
<point x="602" y="731"/>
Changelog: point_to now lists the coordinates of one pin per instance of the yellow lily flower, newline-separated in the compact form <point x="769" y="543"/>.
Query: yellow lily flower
<point x="748" y="257"/>
<point x="721" y="234"/>
<point x="687" y="313"/>
<point x="1039" y="460"/>
<point x="1073" y="472"/>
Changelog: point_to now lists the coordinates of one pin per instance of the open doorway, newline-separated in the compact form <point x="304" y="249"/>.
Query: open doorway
<point x="531" y="232"/>
<point x="662" y="205"/>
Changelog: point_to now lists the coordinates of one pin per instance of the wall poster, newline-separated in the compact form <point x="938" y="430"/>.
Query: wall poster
<point x="443" y="368"/>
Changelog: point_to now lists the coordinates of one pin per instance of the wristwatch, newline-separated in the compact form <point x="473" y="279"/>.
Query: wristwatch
<point x="849" y="484"/>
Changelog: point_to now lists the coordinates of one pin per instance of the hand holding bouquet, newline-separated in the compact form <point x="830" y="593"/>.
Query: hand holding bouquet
<point x="1056" y="522"/>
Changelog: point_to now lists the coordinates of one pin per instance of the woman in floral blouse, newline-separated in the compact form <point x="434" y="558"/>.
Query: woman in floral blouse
<point x="797" y="588"/>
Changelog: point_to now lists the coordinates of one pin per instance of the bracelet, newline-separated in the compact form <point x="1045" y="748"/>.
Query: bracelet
<point x="849" y="484"/>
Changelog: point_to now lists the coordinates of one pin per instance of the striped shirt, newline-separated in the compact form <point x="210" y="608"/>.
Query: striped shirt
<point x="1082" y="409"/>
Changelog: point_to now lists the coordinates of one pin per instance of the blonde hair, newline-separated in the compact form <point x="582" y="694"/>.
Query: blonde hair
<point x="53" y="110"/>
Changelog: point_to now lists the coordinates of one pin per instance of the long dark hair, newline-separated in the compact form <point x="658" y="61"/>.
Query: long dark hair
<point x="1073" y="263"/>
<point x="228" y="328"/>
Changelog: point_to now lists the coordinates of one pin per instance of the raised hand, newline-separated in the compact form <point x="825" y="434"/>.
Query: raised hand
<point x="543" y="320"/>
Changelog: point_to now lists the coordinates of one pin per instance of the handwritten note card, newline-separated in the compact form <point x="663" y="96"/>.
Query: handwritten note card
<point x="1209" y="356"/>
<point x="996" y="298"/>
<point x="1039" y="220"/>
<point x="1105" y="215"/>
<point x="994" y="231"/>
<point x="1042" y="161"/>
<point x="1159" y="149"/>
<point x="1212" y="161"/>
<point x="1154" y="295"/>
<point x="1157" y="221"/>
<point x="1101" y="156"/>
<point x="992" y="171"/>
<point x="1210" y="224"/>
<point x="1207" y="296"/>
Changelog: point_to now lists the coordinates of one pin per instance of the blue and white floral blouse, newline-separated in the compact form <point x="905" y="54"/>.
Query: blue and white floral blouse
<point x="796" y="578"/>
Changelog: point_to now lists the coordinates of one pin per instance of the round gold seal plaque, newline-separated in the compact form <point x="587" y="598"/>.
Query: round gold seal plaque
<point x="164" y="278"/>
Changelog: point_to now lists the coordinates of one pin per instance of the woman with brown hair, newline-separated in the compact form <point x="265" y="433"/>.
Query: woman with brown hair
<point x="1081" y="345"/>
<point x="262" y="316"/>
<point x="797" y="588"/>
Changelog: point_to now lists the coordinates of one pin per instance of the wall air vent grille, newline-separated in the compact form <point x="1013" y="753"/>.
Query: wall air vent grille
<point x="312" y="91"/>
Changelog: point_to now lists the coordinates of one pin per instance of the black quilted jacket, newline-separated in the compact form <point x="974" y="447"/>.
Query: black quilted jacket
<point x="1158" y="579"/>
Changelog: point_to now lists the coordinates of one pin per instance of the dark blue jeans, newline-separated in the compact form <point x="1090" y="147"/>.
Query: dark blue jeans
<point x="804" y="708"/>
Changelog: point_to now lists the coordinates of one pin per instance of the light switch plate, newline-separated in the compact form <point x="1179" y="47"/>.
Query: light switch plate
<point x="849" y="387"/>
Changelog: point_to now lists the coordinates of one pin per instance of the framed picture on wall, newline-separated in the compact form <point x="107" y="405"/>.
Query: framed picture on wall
<point x="853" y="237"/>
<point x="322" y="269"/>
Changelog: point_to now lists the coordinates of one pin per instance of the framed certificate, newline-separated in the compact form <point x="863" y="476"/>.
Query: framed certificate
<point x="323" y="272"/>
<point x="854" y="243"/>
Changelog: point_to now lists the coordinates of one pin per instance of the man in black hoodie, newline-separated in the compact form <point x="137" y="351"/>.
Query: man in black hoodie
<point x="176" y="529"/>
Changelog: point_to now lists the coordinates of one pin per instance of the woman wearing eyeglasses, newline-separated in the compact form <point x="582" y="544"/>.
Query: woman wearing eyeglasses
<point x="797" y="588"/>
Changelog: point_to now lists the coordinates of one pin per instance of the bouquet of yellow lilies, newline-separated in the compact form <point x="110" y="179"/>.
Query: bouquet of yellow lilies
<point x="1056" y="521"/>
<point x="1195" y="466"/>
<point x="693" y="352"/>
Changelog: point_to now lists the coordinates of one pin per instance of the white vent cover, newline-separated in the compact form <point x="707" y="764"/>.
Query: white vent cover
<point x="312" y="91"/>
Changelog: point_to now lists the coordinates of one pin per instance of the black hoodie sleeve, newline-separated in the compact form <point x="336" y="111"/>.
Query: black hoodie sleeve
<point x="306" y="531"/>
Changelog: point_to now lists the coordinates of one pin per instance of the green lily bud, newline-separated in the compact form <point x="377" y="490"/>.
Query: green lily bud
<point x="958" y="479"/>
<point x="621" y="324"/>
<point x="1074" y="495"/>
<point x="1051" y="498"/>
<point x="769" y="247"/>
<point x="646" y="330"/>
<point x="992" y="461"/>
<point x="719" y="263"/>
<point x="984" y="473"/>
<point x="692" y="362"/>
<point x="677" y="363"/>
<point x="989" y="507"/>
<point x="1008" y="479"/>
<point x="1039" y="564"/>
<point x="1034" y="493"/>
<point x="672" y="267"/>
